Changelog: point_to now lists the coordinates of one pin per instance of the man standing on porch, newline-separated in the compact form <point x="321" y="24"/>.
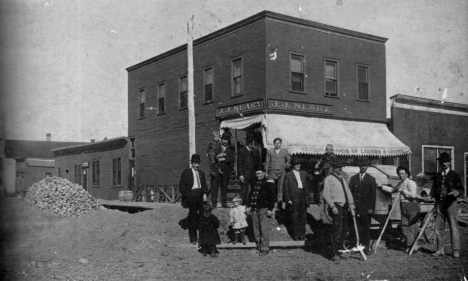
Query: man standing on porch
<point x="277" y="161"/>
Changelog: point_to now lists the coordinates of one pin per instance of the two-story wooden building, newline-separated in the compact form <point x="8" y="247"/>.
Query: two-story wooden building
<point x="273" y="76"/>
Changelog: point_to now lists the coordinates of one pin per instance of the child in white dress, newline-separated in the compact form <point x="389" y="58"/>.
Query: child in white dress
<point x="238" y="220"/>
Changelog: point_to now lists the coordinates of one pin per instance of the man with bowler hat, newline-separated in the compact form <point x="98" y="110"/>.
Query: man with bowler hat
<point x="339" y="199"/>
<point x="296" y="194"/>
<point x="363" y="188"/>
<point x="247" y="160"/>
<point x="194" y="191"/>
<point x="225" y="159"/>
<point x="445" y="190"/>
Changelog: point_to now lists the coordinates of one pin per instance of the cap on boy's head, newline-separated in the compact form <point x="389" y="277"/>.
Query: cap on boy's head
<point x="226" y="136"/>
<point x="444" y="157"/>
<point x="259" y="167"/>
<point x="336" y="163"/>
<point x="195" y="158"/>
<point x="295" y="161"/>
<point x="237" y="199"/>
<point x="363" y="161"/>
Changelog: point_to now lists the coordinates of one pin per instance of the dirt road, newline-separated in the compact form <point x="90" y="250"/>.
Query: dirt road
<point x="152" y="245"/>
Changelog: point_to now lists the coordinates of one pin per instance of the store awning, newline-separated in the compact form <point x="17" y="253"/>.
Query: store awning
<point x="242" y="123"/>
<point x="309" y="135"/>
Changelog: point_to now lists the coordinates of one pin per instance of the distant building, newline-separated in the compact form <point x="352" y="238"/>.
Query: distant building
<point x="431" y="127"/>
<point x="27" y="162"/>
<point x="269" y="75"/>
<point x="102" y="168"/>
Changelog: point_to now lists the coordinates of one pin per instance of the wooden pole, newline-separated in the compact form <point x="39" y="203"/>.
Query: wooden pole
<point x="190" y="95"/>
<point x="386" y="222"/>
<point x="360" y="249"/>
<point x="427" y="218"/>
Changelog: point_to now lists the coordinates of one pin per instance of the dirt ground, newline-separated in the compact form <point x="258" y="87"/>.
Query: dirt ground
<point x="153" y="245"/>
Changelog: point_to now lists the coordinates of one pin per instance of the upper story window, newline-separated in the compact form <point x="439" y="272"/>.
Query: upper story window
<point x="183" y="87"/>
<point x="96" y="176"/>
<point x="142" y="102"/>
<point x="296" y="66"/>
<point x="208" y="75"/>
<point x="237" y="72"/>
<point x="363" y="82"/>
<point x="430" y="154"/>
<point x="162" y="98"/>
<point x="331" y="78"/>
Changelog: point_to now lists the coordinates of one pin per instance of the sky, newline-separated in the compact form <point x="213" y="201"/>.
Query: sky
<point x="63" y="62"/>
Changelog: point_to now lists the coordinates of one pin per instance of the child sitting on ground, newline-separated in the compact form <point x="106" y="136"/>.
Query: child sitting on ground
<point x="238" y="220"/>
<point x="208" y="232"/>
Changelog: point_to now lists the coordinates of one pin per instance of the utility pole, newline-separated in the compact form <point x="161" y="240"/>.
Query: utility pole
<point x="190" y="95"/>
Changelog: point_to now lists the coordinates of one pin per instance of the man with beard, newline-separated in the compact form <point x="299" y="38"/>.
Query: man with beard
<point x="247" y="160"/>
<point x="225" y="158"/>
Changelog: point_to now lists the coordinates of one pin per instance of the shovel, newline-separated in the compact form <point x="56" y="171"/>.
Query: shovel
<point x="358" y="247"/>
<point x="426" y="221"/>
<point x="386" y="222"/>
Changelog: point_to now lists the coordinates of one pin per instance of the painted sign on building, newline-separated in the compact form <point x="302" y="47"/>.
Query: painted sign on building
<point x="240" y="108"/>
<point x="303" y="107"/>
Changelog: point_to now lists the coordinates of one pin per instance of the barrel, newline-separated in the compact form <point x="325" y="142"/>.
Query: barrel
<point x="128" y="196"/>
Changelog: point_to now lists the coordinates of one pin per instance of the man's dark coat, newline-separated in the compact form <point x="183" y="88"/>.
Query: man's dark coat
<point x="247" y="161"/>
<point x="452" y="182"/>
<point x="185" y="187"/>
<point x="291" y="190"/>
<point x="363" y="193"/>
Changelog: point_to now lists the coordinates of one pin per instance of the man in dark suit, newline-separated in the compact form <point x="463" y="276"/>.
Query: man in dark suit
<point x="363" y="188"/>
<point x="247" y="160"/>
<point x="224" y="159"/>
<point x="445" y="190"/>
<point x="296" y="193"/>
<point x="260" y="204"/>
<point x="194" y="191"/>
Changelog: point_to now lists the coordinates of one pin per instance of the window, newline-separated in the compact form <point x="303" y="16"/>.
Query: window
<point x="162" y="98"/>
<point x="132" y="150"/>
<point x="183" y="92"/>
<point x="59" y="173"/>
<point x="363" y="82"/>
<point x="331" y="78"/>
<point x="116" y="171"/>
<point x="48" y="175"/>
<point x="297" y="73"/>
<point x="78" y="174"/>
<point x="237" y="77"/>
<point x="430" y="154"/>
<point x="96" y="176"/>
<point x="208" y="84"/>
<point x="142" y="103"/>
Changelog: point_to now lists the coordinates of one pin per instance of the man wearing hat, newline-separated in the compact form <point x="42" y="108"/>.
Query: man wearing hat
<point x="247" y="160"/>
<point x="445" y="190"/>
<point x="363" y="188"/>
<point x="225" y="159"/>
<point x="260" y="204"/>
<point x="339" y="199"/>
<point x="194" y="191"/>
<point x="296" y="193"/>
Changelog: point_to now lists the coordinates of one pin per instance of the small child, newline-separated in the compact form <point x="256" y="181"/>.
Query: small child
<point x="213" y="148"/>
<point x="208" y="232"/>
<point x="237" y="220"/>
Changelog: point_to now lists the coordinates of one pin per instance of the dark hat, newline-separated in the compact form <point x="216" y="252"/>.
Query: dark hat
<point x="336" y="163"/>
<point x="226" y="136"/>
<point x="195" y="158"/>
<point x="444" y="157"/>
<point x="363" y="161"/>
<point x="260" y="167"/>
<point x="249" y="139"/>
<point x="295" y="161"/>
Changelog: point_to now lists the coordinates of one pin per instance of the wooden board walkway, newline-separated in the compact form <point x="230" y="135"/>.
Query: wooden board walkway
<point x="251" y="245"/>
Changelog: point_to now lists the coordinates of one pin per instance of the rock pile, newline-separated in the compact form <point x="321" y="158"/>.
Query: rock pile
<point x="61" y="197"/>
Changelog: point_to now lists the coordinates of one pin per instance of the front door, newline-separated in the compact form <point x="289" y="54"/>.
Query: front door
<point x="85" y="179"/>
<point x="466" y="172"/>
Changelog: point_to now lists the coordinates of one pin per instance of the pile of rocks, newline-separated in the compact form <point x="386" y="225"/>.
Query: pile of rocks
<point x="61" y="197"/>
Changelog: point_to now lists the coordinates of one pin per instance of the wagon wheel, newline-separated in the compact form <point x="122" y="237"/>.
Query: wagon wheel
<point x="429" y="231"/>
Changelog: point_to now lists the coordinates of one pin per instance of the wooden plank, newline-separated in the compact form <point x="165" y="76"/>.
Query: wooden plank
<point x="251" y="245"/>
<point x="167" y="196"/>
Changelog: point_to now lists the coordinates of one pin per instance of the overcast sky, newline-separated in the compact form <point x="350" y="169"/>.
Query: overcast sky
<point x="63" y="62"/>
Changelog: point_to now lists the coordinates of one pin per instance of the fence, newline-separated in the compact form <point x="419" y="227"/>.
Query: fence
<point x="168" y="193"/>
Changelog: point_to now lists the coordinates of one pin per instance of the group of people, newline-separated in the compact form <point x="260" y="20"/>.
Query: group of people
<point x="266" y="186"/>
